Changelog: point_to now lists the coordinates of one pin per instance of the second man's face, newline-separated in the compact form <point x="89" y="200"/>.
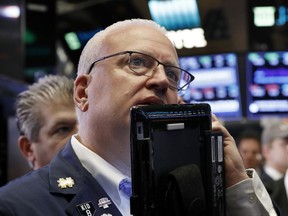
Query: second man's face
<point x="59" y="124"/>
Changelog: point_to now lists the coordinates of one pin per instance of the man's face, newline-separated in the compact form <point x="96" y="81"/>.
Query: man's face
<point x="278" y="152"/>
<point x="113" y="88"/>
<point x="59" y="124"/>
<point x="250" y="151"/>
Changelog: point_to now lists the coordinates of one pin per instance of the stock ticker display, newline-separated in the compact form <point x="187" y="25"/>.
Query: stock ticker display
<point x="216" y="83"/>
<point x="267" y="84"/>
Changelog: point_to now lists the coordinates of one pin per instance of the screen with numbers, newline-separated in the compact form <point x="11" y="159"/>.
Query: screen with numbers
<point x="216" y="83"/>
<point x="267" y="83"/>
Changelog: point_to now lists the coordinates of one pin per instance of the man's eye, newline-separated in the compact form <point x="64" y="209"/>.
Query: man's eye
<point x="137" y="62"/>
<point x="64" y="130"/>
<point x="172" y="74"/>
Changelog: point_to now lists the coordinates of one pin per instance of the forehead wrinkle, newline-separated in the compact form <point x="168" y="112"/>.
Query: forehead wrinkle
<point x="130" y="41"/>
<point x="137" y="33"/>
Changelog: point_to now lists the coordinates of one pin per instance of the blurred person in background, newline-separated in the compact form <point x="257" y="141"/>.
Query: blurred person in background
<point x="46" y="118"/>
<point x="278" y="189"/>
<point x="249" y="145"/>
<point x="274" y="141"/>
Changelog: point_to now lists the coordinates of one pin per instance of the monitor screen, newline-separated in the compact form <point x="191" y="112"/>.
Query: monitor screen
<point x="216" y="83"/>
<point x="11" y="49"/>
<point x="73" y="41"/>
<point x="175" y="14"/>
<point x="267" y="84"/>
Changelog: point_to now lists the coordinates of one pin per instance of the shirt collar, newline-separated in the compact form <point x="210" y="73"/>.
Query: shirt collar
<point x="105" y="174"/>
<point x="273" y="173"/>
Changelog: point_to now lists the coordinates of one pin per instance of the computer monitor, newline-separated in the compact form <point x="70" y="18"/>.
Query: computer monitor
<point x="175" y="14"/>
<point x="267" y="84"/>
<point x="216" y="83"/>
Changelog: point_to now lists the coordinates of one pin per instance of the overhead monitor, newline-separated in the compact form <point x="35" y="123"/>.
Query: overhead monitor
<point x="267" y="84"/>
<point x="216" y="83"/>
<point x="74" y="42"/>
<point x="175" y="14"/>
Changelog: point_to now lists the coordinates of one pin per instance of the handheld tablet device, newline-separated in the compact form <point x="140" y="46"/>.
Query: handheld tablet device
<point x="176" y="161"/>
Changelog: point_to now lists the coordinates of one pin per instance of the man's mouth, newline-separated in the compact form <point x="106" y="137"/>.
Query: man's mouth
<point x="151" y="101"/>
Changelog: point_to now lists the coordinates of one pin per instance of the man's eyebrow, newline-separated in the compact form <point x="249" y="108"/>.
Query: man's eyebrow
<point x="170" y="61"/>
<point x="64" y="122"/>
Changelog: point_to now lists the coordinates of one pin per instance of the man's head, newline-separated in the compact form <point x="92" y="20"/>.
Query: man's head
<point x="249" y="145"/>
<point x="275" y="141"/>
<point x="46" y="118"/>
<point x="105" y="90"/>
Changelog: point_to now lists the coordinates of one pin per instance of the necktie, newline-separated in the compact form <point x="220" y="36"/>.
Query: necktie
<point x="126" y="187"/>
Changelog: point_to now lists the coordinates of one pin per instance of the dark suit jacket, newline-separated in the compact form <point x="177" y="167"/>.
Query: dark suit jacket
<point x="267" y="180"/>
<point x="279" y="195"/>
<point x="277" y="192"/>
<point x="38" y="192"/>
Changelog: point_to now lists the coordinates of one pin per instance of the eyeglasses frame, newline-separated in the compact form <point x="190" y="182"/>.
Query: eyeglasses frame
<point x="130" y="53"/>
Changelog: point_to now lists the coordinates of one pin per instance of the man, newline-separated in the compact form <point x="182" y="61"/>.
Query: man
<point x="130" y="63"/>
<point x="279" y="192"/>
<point x="46" y="118"/>
<point x="274" y="152"/>
<point x="249" y="145"/>
<point x="277" y="138"/>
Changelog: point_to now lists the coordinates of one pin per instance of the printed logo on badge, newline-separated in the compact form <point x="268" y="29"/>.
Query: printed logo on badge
<point x="86" y="209"/>
<point x="104" y="203"/>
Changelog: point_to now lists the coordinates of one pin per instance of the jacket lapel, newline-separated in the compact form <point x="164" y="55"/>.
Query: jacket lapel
<point x="68" y="178"/>
<point x="92" y="200"/>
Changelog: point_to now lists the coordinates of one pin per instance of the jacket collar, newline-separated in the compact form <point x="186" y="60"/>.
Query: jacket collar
<point x="70" y="179"/>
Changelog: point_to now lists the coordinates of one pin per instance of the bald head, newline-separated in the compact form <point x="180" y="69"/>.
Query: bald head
<point x="102" y="42"/>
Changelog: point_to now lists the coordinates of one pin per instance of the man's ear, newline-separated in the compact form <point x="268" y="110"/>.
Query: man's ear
<point x="26" y="149"/>
<point x="80" y="92"/>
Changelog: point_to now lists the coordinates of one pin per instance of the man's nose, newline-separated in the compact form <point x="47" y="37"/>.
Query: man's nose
<point x="159" y="77"/>
<point x="160" y="69"/>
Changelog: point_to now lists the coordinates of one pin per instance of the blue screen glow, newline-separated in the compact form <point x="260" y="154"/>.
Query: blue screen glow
<point x="175" y="14"/>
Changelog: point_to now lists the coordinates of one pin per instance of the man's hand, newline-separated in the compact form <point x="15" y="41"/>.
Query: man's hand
<point x="234" y="166"/>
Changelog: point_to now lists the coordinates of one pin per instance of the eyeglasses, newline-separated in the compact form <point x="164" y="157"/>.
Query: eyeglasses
<point x="143" y="64"/>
